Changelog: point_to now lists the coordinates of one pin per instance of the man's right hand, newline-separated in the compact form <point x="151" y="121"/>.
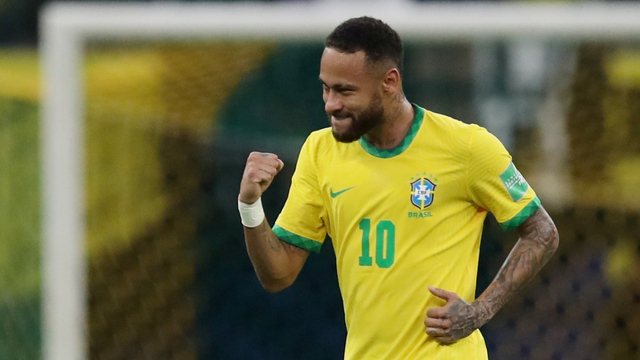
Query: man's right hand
<point x="258" y="174"/>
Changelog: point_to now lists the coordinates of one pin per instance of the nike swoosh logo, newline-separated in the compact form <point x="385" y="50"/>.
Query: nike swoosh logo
<point x="335" y="194"/>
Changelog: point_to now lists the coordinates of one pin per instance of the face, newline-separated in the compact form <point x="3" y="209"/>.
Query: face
<point x="351" y="93"/>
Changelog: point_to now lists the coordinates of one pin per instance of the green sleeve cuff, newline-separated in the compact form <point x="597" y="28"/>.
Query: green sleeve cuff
<point x="522" y="215"/>
<point x="297" y="240"/>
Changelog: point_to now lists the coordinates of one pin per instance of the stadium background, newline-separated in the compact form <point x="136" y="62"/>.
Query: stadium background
<point x="168" y="130"/>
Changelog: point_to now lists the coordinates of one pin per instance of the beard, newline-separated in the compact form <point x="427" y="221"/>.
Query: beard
<point x="361" y="123"/>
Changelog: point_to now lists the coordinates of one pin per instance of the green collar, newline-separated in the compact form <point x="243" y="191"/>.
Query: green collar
<point x="404" y="144"/>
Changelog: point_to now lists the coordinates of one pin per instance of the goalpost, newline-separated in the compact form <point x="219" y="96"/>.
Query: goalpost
<point x="66" y="28"/>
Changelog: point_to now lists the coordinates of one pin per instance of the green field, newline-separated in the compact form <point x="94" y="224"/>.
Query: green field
<point x="19" y="230"/>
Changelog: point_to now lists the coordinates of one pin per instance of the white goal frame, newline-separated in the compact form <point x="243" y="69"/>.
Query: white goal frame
<point x="66" y="27"/>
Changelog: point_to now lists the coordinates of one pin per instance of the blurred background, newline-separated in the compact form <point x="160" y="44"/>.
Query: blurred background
<point x="169" y="126"/>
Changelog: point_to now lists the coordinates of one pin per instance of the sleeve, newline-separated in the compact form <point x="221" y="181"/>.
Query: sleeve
<point x="495" y="184"/>
<point x="301" y="222"/>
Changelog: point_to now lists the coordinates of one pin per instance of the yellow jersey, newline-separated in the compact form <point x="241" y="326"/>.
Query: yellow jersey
<point x="402" y="220"/>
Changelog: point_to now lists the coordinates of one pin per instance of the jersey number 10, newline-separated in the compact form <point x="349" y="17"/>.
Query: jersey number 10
<point x="385" y="240"/>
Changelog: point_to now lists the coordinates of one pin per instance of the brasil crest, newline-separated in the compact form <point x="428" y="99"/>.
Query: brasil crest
<point x="422" y="193"/>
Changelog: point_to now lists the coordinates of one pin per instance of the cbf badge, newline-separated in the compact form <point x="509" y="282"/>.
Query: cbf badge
<point x="422" y="193"/>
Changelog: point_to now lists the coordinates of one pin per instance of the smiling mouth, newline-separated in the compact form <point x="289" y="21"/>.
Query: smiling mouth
<point x="340" y="118"/>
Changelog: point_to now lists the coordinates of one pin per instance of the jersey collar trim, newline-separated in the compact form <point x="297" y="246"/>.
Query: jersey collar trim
<point x="404" y="144"/>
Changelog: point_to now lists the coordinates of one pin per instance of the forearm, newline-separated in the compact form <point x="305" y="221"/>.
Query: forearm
<point x="538" y="241"/>
<point x="271" y="258"/>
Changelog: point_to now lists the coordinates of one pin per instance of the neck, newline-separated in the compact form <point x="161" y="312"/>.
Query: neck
<point x="396" y="125"/>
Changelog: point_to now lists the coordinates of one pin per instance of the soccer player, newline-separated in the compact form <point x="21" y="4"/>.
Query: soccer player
<point x="403" y="193"/>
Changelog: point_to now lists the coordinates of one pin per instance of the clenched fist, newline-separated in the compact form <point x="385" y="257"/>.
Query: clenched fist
<point x="258" y="174"/>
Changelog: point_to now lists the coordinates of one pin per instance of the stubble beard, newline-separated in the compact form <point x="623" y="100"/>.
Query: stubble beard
<point x="362" y="122"/>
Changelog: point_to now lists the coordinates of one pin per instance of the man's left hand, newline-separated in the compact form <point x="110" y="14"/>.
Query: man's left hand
<point x="451" y="322"/>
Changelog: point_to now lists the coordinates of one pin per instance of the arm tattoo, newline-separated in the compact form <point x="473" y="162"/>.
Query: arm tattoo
<point x="275" y="262"/>
<point x="272" y="241"/>
<point x="538" y="241"/>
<point x="275" y="244"/>
<point x="463" y="319"/>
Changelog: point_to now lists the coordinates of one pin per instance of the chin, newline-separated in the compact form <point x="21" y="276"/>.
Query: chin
<point x="345" y="137"/>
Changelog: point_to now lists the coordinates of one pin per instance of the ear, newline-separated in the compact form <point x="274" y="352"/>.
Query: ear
<point x="391" y="81"/>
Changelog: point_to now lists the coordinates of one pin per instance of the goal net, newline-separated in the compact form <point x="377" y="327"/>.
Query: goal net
<point x="149" y="112"/>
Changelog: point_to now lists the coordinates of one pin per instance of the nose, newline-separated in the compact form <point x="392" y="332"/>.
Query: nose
<point x="332" y="102"/>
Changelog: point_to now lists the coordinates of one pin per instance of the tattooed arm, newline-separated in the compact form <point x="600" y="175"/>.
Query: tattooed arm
<point x="276" y="263"/>
<point x="457" y="319"/>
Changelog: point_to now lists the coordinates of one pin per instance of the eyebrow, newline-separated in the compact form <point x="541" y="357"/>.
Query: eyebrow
<point x="340" y="86"/>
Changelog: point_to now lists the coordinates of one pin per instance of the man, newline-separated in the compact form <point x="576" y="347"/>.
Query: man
<point x="403" y="194"/>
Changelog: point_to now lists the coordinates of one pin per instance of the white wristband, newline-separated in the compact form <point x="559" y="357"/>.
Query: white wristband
<point x="251" y="215"/>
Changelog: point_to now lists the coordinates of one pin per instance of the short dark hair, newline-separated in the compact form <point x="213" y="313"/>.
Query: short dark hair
<point x="377" y="39"/>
